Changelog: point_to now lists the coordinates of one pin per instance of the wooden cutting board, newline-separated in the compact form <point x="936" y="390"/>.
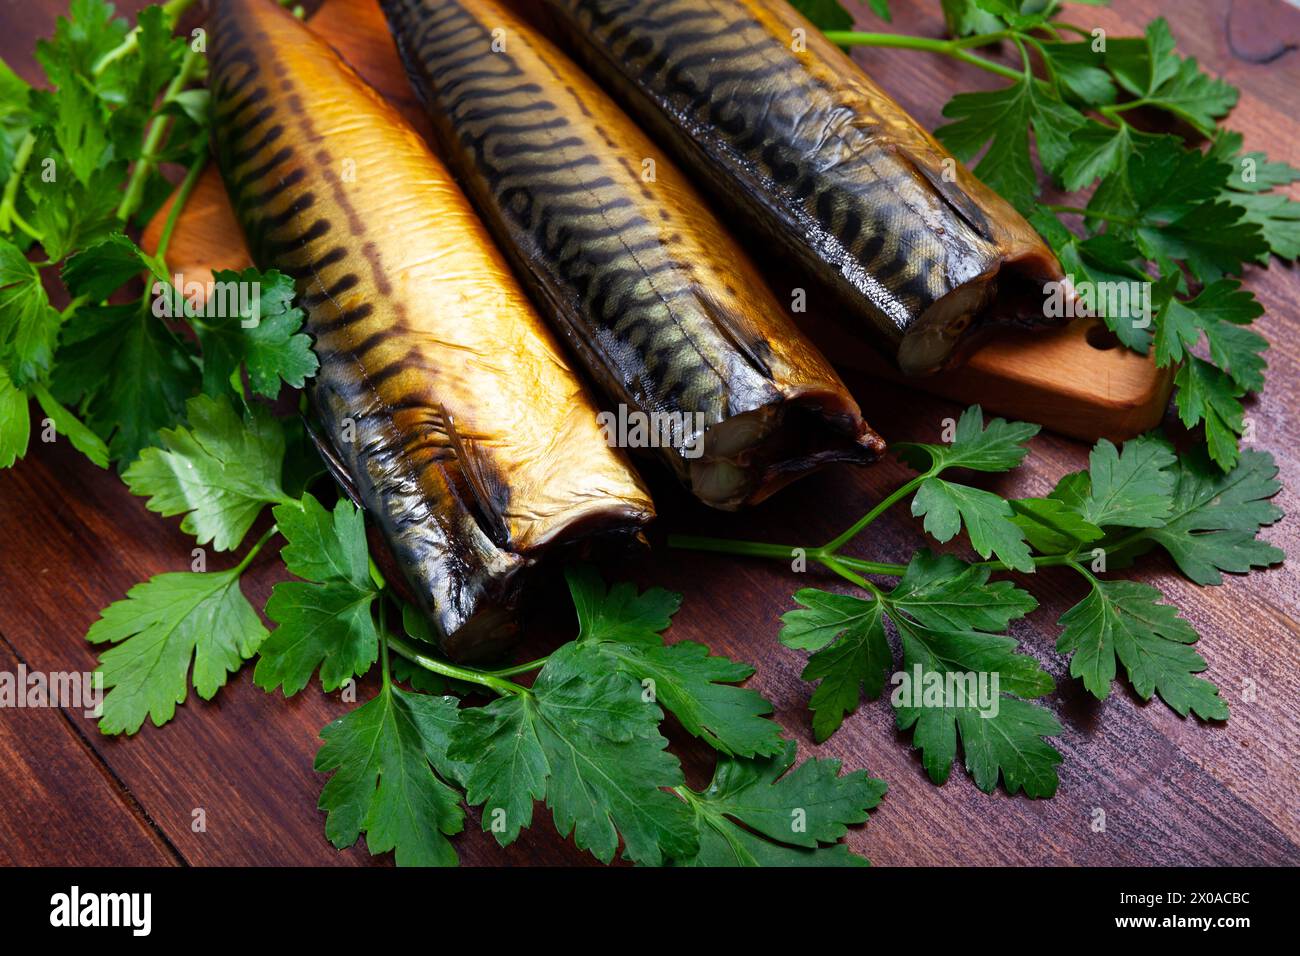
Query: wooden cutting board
<point x="1076" y="381"/>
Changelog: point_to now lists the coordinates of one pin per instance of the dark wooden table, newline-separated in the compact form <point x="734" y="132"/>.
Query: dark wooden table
<point x="1175" y="791"/>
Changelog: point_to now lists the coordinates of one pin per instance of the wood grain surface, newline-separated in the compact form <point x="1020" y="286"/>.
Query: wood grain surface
<point x="1175" y="791"/>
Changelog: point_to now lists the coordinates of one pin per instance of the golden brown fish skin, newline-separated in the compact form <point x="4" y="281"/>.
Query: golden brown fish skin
<point x="447" y="400"/>
<point x="823" y="161"/>
<point x="663" y="307"/>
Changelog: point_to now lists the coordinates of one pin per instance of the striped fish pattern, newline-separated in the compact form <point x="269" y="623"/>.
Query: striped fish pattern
<point x="785" y="127"/>
<point x="659" y="303"/>
<point x="445" y="399"/>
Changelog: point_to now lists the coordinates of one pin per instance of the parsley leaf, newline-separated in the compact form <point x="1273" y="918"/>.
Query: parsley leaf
<point x="1103" y="261"/>
<point x="942" y="608"/>
<point x="986" y="516"/>
<point x="270" y="345"/>
<point x="99" y="269"/>
<point x="159" y="628"/>
<point x="15" y="423"/>
<point x="1205" y="394"/>
<point x="1097" y="151"/>
<point x="28" y="324"/>
<point x="694" y="686"/>
<point x="1248" y="187"/>
<point x="218" y="472"/>
<point x="1251" y="172"/>
<point x="1052" y="526"/>
<point x="964" y="18"/>
<point x="942" y="591"/>
<point x="88" y="32"/>
<point x="1221" y="312"/>
<point x="1167" y="200"/>
<point x="1151" y="70"/>
<point x="384" y="756"/>
<point x="1131" y="490"/>
<point x="1278" y="219"/>
<point x="324" y="622"/>
<point x="1005" y="739"/>
<point x="585" y="740"/>
<point x="68" y="425"/>
<point x="852" y="652"/>
<point x="127" y="410"/>
<point x="762" y="813"/>
<point x="1080" y="71"/>
<point x="324" y="546"/>
<point x="1125" y="620"/>
<point x="1215" y="517"/>
<point x="1002" y="118"/>
<point x="998" y="447"/>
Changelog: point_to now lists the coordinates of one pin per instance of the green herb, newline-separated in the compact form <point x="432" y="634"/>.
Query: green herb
<point x="949" y="617"/>
<point x="219" y="471"/>
<point x="696" y="687"/>
<point x="762" y="813"/>
<point x="158" y="629"/>
<point x="80" y="165"/>
<point x="324" y="622"/>
<point x="389" y="759"/>
<point x="584" y="737"/>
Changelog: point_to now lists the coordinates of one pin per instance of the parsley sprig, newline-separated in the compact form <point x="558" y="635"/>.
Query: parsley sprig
<point x="578" y="729"/>
<point x="1182" y="212"/>
<point x="949" y="616"/>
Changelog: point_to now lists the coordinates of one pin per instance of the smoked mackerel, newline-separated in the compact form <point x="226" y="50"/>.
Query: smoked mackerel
<point x="445" y="398"/>
<point x="790" y="132"/>
<point x="658" y="301"/>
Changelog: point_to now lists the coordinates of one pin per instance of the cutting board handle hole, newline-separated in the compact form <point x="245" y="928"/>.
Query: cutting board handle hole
<point x="1100" y="337"/>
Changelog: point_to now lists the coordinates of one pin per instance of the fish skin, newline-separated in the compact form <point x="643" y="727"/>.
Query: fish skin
<point x="660" y="304"/>
<point x="820" y="159"/>
<point x="443" y="395"/>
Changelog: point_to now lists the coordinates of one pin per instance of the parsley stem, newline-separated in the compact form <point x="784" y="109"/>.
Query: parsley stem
<point x="7" y="211"/>
<point x="72" y="306"/>
<point x="172" y="11"/>
<point x="519" y="668"/>
<point x="1040" y="561"/>
<point x="178" y="203"/>
<point x="376" y="575"/>
<point x="850" y="576"/>
<point x="956" y="49"/>
<point x="860" y="525"/>
<point x="872" y="567"/>
<point x="252" y="552"/>
<point x="782" y="552"/>
<point x="383" y="645"/>
<point x="469" y="674"/>
<point x="22" y="224"/>
<point x="1116" y="108"/>
<point x="757" y="549"/>
<point x="153" y="138"/>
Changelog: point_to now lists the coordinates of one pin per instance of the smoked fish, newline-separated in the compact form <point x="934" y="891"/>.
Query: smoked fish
<point x="659" y="303"/>
<point x="445" y="399"/>
<point x="788" y="130"/>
